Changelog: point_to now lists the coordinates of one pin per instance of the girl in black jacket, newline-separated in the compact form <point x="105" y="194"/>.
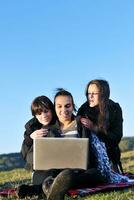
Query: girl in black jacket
<point x="41" y="125"/>
<point x="104" y="117"/>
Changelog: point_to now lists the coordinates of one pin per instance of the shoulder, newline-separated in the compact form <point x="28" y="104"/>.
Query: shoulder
<point x="85" y="104"/>
<point x="32" y="123"/>
<point x="114" y="106"/>
<point x="83" y="107"/>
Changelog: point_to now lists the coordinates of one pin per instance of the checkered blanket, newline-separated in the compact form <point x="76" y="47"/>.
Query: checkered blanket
<point x="101" y="188"/>
<point x="8" y="192"/>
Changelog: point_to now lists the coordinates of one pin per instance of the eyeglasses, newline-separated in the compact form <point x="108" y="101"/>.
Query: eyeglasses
<point x="93" y="93"/>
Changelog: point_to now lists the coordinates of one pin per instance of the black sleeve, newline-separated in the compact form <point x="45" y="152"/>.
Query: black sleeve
<point x="79" y="127"/>
<point x="115" y="129"/>
<point x="27" y="143"/>
<point x="82" y="110"/>
<point x="31" y="126"/>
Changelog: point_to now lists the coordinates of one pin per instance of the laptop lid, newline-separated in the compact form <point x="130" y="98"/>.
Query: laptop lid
<point x="57" y="153"/>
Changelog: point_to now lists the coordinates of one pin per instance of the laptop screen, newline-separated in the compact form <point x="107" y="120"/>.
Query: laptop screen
<point x="60" y="153"/>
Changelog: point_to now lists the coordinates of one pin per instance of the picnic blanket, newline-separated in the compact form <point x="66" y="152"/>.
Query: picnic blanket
<point x="84" y="191"/>
<point x="101" y="188"/>
<point x="8" y="192"/>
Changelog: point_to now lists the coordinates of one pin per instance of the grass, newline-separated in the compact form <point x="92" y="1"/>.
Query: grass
<point x="16" y="177"/>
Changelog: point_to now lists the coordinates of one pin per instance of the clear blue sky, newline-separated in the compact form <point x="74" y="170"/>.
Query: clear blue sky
<point x="47" y="44"/>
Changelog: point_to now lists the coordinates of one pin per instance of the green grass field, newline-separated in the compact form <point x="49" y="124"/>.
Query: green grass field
<point x="13" y="178"/>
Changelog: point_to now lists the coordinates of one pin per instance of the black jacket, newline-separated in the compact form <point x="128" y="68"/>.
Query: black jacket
<point x="31" y="126"/>
<point x="114" y="128"/>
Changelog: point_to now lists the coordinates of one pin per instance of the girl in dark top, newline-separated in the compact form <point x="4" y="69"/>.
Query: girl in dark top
<point x="104" y="117"/>
<point x="41" y="125"/>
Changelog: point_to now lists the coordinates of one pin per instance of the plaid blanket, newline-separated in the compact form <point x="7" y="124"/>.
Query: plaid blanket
<point x="101" y="188"/>
<point x="8" y="192"/>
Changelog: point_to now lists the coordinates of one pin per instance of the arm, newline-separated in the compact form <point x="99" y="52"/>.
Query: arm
<point x="30" y="127"/>
<point x="27" y="144"/>
<point x="84" y="121"/>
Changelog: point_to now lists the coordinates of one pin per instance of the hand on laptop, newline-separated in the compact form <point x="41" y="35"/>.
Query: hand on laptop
<point x="39" y="133"/>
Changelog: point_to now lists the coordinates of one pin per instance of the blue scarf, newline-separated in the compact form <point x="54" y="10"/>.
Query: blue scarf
<point x="103" y="164"/>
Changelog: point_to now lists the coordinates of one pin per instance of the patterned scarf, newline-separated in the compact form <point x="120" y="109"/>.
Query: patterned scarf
<point x="103" y="164"/>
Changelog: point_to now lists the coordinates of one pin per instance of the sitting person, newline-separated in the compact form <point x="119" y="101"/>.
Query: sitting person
<point x="103" y="116"/>
<point x="41" y="125"/>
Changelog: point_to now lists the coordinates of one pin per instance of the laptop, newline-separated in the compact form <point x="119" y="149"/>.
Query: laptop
<point x="59" y="153"/>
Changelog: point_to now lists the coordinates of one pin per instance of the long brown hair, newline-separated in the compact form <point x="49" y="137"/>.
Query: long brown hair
<point x="104" y="93"/>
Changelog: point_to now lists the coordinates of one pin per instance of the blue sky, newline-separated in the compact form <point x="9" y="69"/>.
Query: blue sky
<point x="47" y="44"/>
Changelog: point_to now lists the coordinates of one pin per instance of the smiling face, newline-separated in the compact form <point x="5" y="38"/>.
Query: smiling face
<point x="64" y="108"/>
<point x="44" y="117"/>
<point x="93" y="95"/>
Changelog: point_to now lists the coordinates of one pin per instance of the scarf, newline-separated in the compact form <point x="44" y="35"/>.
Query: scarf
<point x="103" y="164"/>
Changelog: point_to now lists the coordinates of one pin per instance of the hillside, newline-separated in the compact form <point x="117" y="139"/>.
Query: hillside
<point x="127" y="144"/>
<point x="11" y="161"/>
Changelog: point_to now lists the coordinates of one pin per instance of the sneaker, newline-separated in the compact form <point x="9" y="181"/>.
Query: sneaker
<point x="46" y="186"/>
<point x="57" y="188"/>
<point x="28" y="190"/>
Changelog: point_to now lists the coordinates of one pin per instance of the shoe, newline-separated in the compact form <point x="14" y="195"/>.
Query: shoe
<point x="57" y="188"/>
<point x="46" y="186"/>
<point x="28" y="190"/>
<point x="23" y="190"/>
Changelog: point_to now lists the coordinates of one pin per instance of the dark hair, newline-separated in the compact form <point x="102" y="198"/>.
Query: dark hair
<point x="40" y="104"/>
<point x="103" y="87"/>
<point x="63" y="92"/>
<point x="104" y="93"/>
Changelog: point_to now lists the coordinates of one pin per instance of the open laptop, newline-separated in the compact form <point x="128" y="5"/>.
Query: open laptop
<point x="57" y="153"/>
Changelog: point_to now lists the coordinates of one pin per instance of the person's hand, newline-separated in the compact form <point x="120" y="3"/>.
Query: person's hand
<point x="87" y="123"/>
<point x="39" y="133"/>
